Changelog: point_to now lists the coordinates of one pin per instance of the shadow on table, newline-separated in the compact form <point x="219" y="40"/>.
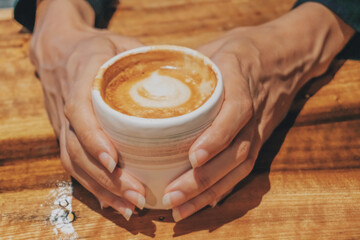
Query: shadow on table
<point x="246" y="196"/>
<point x="140" y="222"/>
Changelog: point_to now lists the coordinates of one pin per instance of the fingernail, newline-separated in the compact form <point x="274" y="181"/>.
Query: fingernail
<point x="135" y="197"/>
<point x="213" y="204"/>
<point x="101" y="204"/>
<point x="199" y="156"/>
<point x="108" y="161"/>
<point x="183" y="211"/>
<point x="173" y="198"/>
<point x="127" y="214"/>
<point x="176" y="215"/>
<point x="120" y="207"/>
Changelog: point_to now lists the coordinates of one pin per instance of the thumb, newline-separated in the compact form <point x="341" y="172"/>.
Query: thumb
<point x="235" y="112"/>
<point x="78" y="106"/>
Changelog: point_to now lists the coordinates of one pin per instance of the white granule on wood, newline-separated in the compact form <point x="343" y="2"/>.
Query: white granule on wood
<point x="60" y="208"/>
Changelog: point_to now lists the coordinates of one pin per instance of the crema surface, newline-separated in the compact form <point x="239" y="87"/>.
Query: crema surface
<point x="158" y="84"/>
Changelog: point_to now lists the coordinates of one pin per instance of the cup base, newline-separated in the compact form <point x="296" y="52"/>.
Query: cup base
<point x="156" y="181"/>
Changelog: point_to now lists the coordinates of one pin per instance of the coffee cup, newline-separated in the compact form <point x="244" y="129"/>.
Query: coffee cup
<point x="153" y="102"/>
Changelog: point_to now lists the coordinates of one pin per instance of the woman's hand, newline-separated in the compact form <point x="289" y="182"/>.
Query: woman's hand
<point x="67" y="52"/>
<point x="263" y="68"/>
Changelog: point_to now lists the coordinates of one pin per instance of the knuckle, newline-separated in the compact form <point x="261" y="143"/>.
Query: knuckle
<point x="211" y="195"/>
<point x="104" y="180"/>
<point x="247" y="105"/>
<point x="86" y="136"/>
<point x="69" y="108"/>
<point x="242" y="152"/>
<point x="223" y="138"/>
<point x="203" y="181"/>
<point x="226" y="138"/>
<point x="65" y="162"/>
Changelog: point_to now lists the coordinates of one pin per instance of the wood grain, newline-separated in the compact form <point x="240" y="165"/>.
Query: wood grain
<point x="191" y="23"/>
<point x="6" y="13"/>
<point x="323" y="146"/>
<point x="279" y="205"/>
<point x="331" y="97"/>
<point x="305" y="184"/>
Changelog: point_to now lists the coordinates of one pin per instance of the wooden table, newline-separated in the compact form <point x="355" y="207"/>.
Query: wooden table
<point x="306" y="184"/>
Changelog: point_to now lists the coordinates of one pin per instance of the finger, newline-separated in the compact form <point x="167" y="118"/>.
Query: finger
<point x="215" y="202"/>
<point x="195" y="181"/>
<point x="119" y="182"/>
<point x="121" y="205"/>
<point x="219" y="189"/>
<point x="122" y="43"/>
<point x="234" y="113"/>
<point x="102" y="204"/>
<point x="79" y="111"/>
<point x="53" y="101"/>
<point x="211" y="48"/>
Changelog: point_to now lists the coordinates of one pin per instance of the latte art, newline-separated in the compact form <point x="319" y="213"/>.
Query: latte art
<point x="159" y="91"/>
<point x="158" y="84"/>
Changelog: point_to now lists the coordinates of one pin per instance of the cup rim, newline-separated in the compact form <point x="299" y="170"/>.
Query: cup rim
<point x="158" y="122"/>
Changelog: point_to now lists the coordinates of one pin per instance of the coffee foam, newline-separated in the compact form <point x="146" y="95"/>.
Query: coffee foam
<point x="157" y="84"/>
<point x="160" y="91"/>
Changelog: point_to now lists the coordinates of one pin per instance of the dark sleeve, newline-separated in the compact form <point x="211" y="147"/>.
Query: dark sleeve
<point x="349" y="12"/>
<point x="104" y="10"/>
<point x="25" y="11"/>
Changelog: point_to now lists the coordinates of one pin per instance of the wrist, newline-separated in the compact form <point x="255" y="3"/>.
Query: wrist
<point x="67" y="13"/>
<point x="313" y="35"/>
<point x="60" y="25"/>
<point x="282" y="55"/>
<point x="298" y="47"/>
<point x="63" y="21"/>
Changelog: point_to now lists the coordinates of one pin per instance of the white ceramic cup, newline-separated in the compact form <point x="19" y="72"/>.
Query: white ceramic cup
<point x="156" y="150"/>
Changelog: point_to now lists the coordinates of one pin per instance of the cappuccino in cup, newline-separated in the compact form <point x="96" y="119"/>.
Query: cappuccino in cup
<point x="153" y="102"/>
<point x="158" y="84"/>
